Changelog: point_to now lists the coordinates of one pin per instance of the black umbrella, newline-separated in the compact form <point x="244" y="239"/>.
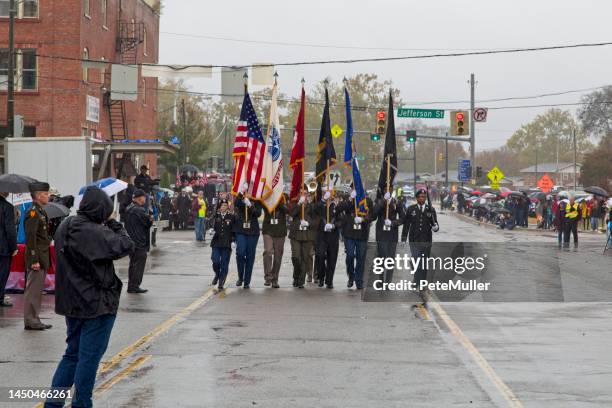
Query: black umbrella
<point x="56" y="210"/>
<point x="597" y="191"/>
<point x="15" y="183"/>
<point x="190" y="168"/>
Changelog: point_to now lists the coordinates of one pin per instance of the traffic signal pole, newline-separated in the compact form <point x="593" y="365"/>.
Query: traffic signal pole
<point x="472" y="107"/>
<point x="10" y="103"/>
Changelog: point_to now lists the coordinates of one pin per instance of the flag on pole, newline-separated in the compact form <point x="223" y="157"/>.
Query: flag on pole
<point x="348" y="146"/>
<point x="297" y="153"/>
<point x="361" y="205"/>
<point x="326" y="154"/>
<point x="390" y="153"/>
<point x="273" y="159"/>
<point x="248" y="153"/>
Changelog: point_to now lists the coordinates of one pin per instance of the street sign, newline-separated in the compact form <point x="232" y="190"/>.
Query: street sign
<point x="336" y="130"/>
<point x="495" y="175"/>
<point x="546" y="183"/>
<point x="420" y="113"/>
<point x="465" y="170"/>
<point x="480" y="114"/>
<point x="335" y="179"/>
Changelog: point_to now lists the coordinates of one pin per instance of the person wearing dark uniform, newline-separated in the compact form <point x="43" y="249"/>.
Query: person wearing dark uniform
<point x="138" y="225"/>
<point x="8" y="244"/>
<point x="355" y="230"/>
<point x="389" y="216"/>
<point x="315" y="221"/>
<point x="246" y="229"/>
<point x="222" y="242"/>
<point x="327" y="241"/>
<point x="419" y="221"/>
<point x="302" y="235"/>
<point x="143" y="181"/>
<point x="274" y="231"/>
<point x="37" y="256"/>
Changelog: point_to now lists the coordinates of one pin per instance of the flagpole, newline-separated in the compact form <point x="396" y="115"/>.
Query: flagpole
<point x="246" y="90"/>
<point x="388" y="181"/>
<point x="304" y="159"/>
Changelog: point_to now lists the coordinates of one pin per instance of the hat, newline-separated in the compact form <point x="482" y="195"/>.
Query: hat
<point x="144" y="167"/>
<point x="223" y="201"/>
<point x="421" y="191"/>
<point x="38" y="186"/>
<point x="138" y="193"/>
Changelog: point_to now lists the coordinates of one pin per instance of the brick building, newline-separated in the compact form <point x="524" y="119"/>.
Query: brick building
<point x="55" y="94"/>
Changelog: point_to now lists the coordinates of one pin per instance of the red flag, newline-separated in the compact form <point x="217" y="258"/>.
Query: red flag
<point x="297" y="153"/>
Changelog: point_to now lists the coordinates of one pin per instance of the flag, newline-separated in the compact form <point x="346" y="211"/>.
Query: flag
<point x="297" y="153"/>
<point x="390" y="151"/>
<point x="273" y="159"/>
<point x="361" y="206"/>
<point x="348" y="146"/>
<point x="249" y="150"/>
<point x="326" y="154"/>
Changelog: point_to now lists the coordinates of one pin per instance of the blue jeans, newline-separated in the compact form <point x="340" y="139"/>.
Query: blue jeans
<point x="199" y="224"/>
<point x="355" y="259"/>
<point x="594" y="223"/>
<point x="245" y="256"/>
<point x="220" y="258"/>
<point x="86" y="341"/>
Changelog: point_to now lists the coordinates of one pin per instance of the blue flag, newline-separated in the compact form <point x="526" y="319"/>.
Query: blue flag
<point x="360" y="199"/>
<point x="348" y="147"/>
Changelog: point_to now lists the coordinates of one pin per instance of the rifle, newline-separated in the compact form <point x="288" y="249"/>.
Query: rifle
<point x="435" y="216"/>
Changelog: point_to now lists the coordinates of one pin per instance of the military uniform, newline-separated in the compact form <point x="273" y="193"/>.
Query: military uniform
<point x="387" y="235"/>
<point x="247" y="236"/>
<point x="274" y="231"/>
<point x="37" y="252"/>
<point x="419" y="221"/>
<point x="221" y="243"/>
<point x="327" y="243"/>
<point x="301" y="240"/>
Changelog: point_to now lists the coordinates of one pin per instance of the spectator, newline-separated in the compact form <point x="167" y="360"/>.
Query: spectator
<point x="8" y="245"/>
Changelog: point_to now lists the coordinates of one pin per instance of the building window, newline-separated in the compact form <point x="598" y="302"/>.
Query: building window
<point x="25" y="69"/>
<point x="85" y="70"/>
<point x="25" y="8"/>
<point x="144" y="40"/>
<point x="30" y="9"/>
<point x="133" y="33"/>
<point x="86" y="8"/>
<point x="104" y="14"/>
<point x="144" y="91"/>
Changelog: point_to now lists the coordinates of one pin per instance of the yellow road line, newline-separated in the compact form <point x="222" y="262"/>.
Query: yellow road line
<point x="121" y="374"/>
<point x="484" y="365"/>
<point x="423" y="312"/>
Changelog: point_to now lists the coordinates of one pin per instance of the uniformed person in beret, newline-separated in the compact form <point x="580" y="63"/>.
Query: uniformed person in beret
<point x="419" y="222"/>
<point x="37" y="255"/>
<point x="389" y="216"/>
<point x="301" y="235"/>
<point x="222" y="242"/>
<point x="328" y="239"/>
<point x="246" y="229"/>
<point x="274" y="232"/>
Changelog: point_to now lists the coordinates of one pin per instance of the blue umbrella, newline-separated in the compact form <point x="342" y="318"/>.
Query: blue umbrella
<point x="109" y="185"/>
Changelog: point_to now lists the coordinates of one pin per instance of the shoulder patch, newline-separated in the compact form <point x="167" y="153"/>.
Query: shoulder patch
<point x="32" y="213"/>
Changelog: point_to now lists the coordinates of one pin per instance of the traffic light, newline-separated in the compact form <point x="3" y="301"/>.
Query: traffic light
<point x="460" y="123"/>
<point x="478" y="172"/>
<point x="375" y="137"/>
<point x="441" y="157"/>
<point x="411" y="136"/>
<point x="221" y="164"/>
<point x="380" y="122"/>
<point x="210" y="163"/>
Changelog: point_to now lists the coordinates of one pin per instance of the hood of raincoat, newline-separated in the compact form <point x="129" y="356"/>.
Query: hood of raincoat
<point x="95" y="205"/>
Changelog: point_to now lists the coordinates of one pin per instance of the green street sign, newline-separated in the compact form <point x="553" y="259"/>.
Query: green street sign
<point x="420" y="113"/>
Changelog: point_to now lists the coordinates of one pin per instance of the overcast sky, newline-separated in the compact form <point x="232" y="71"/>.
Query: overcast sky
<point x="419" y="27"/>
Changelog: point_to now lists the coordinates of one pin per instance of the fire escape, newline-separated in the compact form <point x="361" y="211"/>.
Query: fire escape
<point x="128" y="37"/>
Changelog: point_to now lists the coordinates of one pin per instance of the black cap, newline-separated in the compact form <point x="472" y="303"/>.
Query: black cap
<point x="421" y="191"/>
<point x="223" y="201"/>
<point x="38" y="186"/>
<point x="138" y="193"/>
<point x="144" y="167"/>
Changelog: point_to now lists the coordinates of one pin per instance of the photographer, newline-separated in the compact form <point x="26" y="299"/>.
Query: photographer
<point x="87" y="290"/>
<point x="143" y="181"/>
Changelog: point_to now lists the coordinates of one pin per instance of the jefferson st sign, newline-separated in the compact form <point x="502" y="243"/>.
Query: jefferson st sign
<point x="420" y="113"/>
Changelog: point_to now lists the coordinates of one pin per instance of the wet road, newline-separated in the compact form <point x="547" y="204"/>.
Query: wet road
<point x="183" y="345"/>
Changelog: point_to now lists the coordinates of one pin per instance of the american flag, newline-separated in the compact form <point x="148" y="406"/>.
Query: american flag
<point x="249" y="151"/>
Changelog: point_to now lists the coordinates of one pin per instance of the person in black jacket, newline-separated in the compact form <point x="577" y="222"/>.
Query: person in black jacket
<point x="138" y="225"/>
<point x="87" y="290"/>
<point x="274" y="232"/>
<point x="8" y="244"/>
<point x="222" y="242"/>
<point x="328" y="240"/>
<point x="389" y="216"/>
<point x="246" y="229"/>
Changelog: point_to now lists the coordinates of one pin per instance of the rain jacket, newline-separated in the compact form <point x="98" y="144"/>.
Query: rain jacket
<point x="86" y="245"/>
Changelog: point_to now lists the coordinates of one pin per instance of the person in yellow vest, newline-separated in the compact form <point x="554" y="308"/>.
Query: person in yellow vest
<point x="198" y="210"/>
<point x="572" y="215"/>
<point x="584" y="216"/>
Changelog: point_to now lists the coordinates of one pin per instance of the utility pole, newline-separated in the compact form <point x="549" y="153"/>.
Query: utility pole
<point x="471" y="121"/>
<point x="185" y="141"/>
<point x="414" y="166"/>
<point x="435" y="157"/>
<point x="225" y="160"/>
<point x="575" y="184"/>
<point x="446" y="161"/>
<point x="536" y="160"/>
<point x="10" y="103"/>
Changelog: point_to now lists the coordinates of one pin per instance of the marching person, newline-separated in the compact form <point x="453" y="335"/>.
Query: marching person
<point x="8" y="245"/>
<point x="571" y="213"/>
<point x="138" y="224"/>
<point x="356" y="231"/>
<point x="274" y="231"/>
<point x="327" y="241"/>
<point x="198" y="211"/>
<point x="389" y="216"/>
<point x="301" y="236"/>
<point x="315" y="220"/>
<point x="37" y="256"/>
<point x="222" y="242"/>
<point x="419" y="221"/>
<point x="87" y="290"/>
<point x="246" y="229"/>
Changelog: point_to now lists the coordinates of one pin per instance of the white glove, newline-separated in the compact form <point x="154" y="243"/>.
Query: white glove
<point x="233" y="245"/>
<point x="388" y="222"/>
<point x="435" y="228"/>
<point x="245" y="187"/>
<point x="211" y="231"/>
<point x="329" y="227"/>
<point x="303" y="223"/>
<point x="326" y="195"/>
<point x="247" y="202"/>
<point x="353" y="194"/>
<point x="388" y="196"/>
<point x="302" y="200"/>
<point x="358" y="220"/>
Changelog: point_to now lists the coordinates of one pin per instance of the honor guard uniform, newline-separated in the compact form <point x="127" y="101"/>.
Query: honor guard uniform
<point x="419" y="222"/>
<point x="302" y="235"/>
<point x="356" y="231"/>
<point x="314" y="224"/>
<point x="37" y="257"/>
<point x="222" y="242"/>
<point x="327" y="241"/>
<point x="246" y="229"/>
<point x="389" y="216"/>
<point x="274" y="231"/>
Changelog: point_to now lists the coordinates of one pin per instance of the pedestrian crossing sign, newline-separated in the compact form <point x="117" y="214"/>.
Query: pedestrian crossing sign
<point x="495" y="175"/>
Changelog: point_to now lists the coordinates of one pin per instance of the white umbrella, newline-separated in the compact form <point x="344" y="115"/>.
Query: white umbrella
<point x="110" y="185"/>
